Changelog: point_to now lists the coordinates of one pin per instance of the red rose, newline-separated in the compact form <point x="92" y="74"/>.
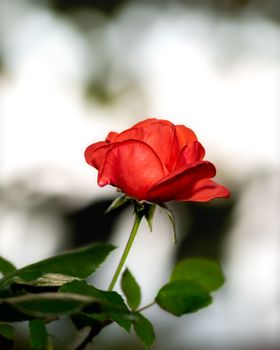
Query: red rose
<point x="155" y="161"/>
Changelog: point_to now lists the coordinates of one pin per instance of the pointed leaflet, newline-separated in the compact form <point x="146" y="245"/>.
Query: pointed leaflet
<point x="144" y="329"/>
<point x="182" y="297"/>
<point x="6" y="266"/>
<point x="78" y="263"/>
<point x="205" y="272"/>
<point x="131" y="290"/>
<point x="38" y="334"/>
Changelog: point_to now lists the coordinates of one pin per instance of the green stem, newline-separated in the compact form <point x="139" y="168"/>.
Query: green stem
<point x="138" y="217"/>
<point x="50" y="345"/>
<point x="146" y="306"/>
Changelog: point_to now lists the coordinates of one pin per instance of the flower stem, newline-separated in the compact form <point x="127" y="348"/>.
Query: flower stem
<point x="138" y="217"/>
<point x="50" y="345"/>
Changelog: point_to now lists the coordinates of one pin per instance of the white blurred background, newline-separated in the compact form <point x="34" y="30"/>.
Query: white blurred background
<point x="73" y="71"/>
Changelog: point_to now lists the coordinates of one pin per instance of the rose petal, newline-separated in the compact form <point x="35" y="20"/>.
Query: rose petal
<point x="95" y="158"/>
<point x="158" y="135"/>
<point x="184" y="135"/>
<point x="191" y="153"/>
<point x="132" y="166"/>
<point x="111" y="136"/>
<point x="149" y="121"/>
<point x="205" y="190"/>
<point x="180" y="183"/>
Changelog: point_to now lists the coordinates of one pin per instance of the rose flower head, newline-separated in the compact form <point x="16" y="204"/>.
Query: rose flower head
<point x="155" y="161"/>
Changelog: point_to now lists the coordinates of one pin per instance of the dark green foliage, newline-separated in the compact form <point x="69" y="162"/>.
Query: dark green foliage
<point x="111" y="305"/>
<point x="9" y="313"/>
<point x="38" y="334"/>
<point x="7" y="331"/>
<point x="43" y="292"/>
<point x="6" y="266"/>
<point x="49" y="304"/>
<point x="7" y="334"/>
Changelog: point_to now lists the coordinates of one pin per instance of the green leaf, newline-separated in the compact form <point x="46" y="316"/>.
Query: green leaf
<point x="49" y="304"/>
<point x="182" y="297"/>
<point x="149" y="215"/>
<point x="83" y="288"/>
<point x="122" y="319"/>
<point x="131" y="290"/>
<point x="205" y="272"/>
<point x="144" y="329"/>
<point x="79" y="263"/>
<point x="112" y="305"/>
<point x="80" y="287"/>
<point x="118" y="202"/>
<point x="7" y="331"/>
<point x="6" y="267"/>
<point x="38" y="334"/>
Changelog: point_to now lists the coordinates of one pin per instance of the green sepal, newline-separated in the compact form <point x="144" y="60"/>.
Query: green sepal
<point x="149" y="215"/>
<point x="118" y="202"/>
<point x="171" y="217"/>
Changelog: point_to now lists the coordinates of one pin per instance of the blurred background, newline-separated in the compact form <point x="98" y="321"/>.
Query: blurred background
<point x="70" y="72"/>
